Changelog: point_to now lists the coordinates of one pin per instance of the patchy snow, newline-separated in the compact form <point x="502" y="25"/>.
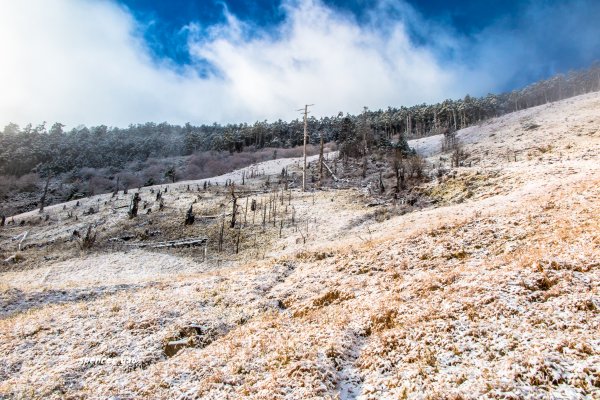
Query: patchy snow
<point x="132" y="266"/>
<point x="265" y="168"/>
<point x="491" y="292"/>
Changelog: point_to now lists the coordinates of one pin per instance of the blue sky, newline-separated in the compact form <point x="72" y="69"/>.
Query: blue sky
<point x="117" y="62"/>
<point x="163" y="20"/>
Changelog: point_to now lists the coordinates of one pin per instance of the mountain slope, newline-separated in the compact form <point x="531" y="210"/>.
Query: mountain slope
<point x="491" y="292"/>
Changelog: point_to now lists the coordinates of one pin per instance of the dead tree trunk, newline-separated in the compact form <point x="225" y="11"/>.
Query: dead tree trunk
<point x="399" y="170"/>
<point x="43" y="199"/>
<point x="133" y="208"/>
<point x="275" y="209"/>
<point x="270" y="208"/>
<point x="221" y="234"/>
<point x="237" y="242"/>
<point x="116" y="191"/>
<point x="234" y="211"/>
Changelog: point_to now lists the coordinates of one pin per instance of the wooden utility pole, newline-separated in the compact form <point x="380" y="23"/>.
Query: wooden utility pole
<point x="305" y="139"/>
<point x="321" y="161"/>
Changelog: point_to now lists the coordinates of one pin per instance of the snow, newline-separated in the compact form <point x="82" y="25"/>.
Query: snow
<point x="495" y="295"/>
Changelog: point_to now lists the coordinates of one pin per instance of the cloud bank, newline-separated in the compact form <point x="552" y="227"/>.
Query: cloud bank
<point x="85" y="62"/>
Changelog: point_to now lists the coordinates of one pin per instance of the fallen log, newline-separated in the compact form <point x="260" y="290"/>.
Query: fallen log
<point x="187" y="242"/>
<point x="217" y="216"/>
<point x="330" y="171"/>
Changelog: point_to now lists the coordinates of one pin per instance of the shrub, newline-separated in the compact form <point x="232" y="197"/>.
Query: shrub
<point x="129" y="180"/>
<point x="99" y="184"/>
<point x="88" y="241"/>
<point x="27" y="183"/>
<point x="192" y="171"/>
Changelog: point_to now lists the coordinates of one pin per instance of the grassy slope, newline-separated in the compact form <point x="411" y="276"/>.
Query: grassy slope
<point x="493" y="293"/>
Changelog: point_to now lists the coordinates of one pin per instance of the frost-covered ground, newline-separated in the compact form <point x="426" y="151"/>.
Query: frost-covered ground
<point x="491" y="292"/>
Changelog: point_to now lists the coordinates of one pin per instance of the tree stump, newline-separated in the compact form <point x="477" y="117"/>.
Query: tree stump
<point x="133" y="208"/>
<point x="189" y="216"/>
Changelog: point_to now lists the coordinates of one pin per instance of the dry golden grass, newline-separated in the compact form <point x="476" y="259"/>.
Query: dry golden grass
<point x="494" y="297"/>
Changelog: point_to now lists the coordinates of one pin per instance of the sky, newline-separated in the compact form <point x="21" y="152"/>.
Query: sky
<point x="121" y="62"/>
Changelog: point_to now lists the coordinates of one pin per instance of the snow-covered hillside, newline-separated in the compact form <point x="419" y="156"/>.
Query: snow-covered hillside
<point x="491" y="291"/>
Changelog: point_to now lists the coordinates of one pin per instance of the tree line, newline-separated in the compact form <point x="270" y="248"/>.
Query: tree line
<point x="55" y="150"/>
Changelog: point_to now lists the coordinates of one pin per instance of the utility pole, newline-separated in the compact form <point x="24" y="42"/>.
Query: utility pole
<point x="305" y="139"/>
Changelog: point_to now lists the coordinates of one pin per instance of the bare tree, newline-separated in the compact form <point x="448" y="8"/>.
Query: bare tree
<point x="234" y="210"/>
<point x="458" y="155"/>
<point x="399" y="167"/>
<point x="449" y="141"/>
<point x="416" y="166"/>
<point x="43" y="199"/>
<point x="171" y="173"/>
<point x="116" y="186"/>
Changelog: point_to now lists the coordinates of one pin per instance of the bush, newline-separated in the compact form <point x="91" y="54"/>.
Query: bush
<point x="27" y="183"/>
<point x="191" y="172"/>
<point x="152" y="173"/>
<point x="88" y="173"/>
<point x="7" y="184"/>
<point x="88" y="241"/>
<point x="129" y="180"/>
<point x="99" y="184"/>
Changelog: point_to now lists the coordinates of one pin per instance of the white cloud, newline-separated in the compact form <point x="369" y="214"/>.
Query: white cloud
<point x="319" y="57"/>
<point x="84" y="62"/>
<point x="81" y="62"/>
